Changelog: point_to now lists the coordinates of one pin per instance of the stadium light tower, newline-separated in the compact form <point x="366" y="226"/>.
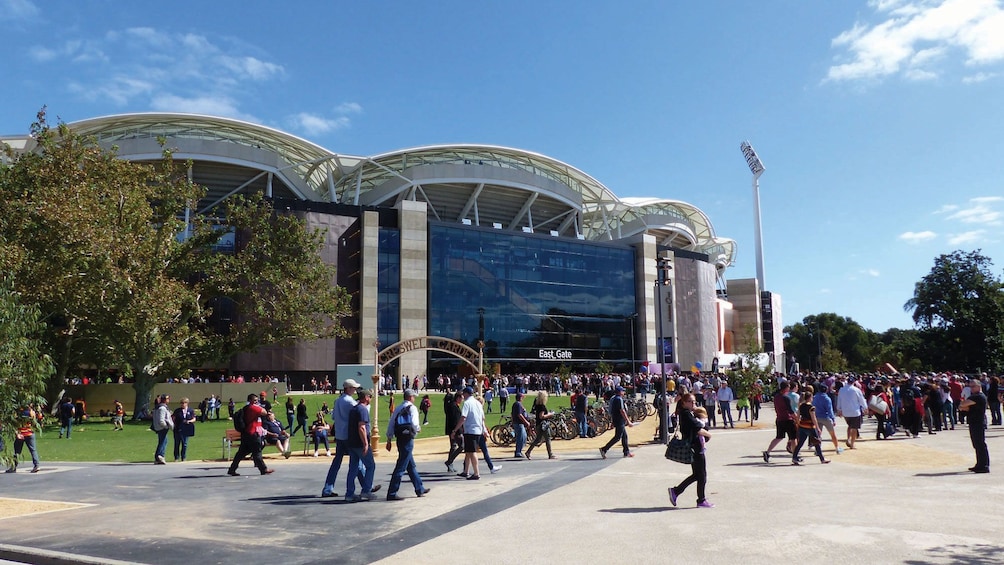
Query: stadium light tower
<point x="756" y="167"/>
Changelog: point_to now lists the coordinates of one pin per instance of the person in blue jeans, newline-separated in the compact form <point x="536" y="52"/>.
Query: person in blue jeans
<point x="619" y="417"/>
<point x="343" y="408"/>
<point x="520" y="424"/>
<point x="362" y="466"/>
<point x="404" y="427"/>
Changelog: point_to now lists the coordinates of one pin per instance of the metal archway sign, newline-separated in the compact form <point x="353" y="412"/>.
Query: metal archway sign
<point x="471" y="356"/>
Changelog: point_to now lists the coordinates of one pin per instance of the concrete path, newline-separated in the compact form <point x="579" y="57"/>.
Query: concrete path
<point x="895" y="501"/>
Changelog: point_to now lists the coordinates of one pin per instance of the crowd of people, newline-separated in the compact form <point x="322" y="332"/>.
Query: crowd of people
<point x="806" y="408"/>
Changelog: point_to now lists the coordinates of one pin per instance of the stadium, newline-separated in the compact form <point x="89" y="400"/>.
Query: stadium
<point x="526" y="259"/>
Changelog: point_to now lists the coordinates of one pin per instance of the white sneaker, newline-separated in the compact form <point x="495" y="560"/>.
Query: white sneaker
<point x="315" y="454"/>
<point x="496" y="469"/>
<point x="329" y="454"/>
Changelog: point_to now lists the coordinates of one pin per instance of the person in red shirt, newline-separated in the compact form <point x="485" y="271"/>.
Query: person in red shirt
<point x="25" y="436"/>
<point x="251" y="437"/>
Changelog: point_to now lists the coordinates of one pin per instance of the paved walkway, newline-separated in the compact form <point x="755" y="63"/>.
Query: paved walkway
<point x="896" y="501"/>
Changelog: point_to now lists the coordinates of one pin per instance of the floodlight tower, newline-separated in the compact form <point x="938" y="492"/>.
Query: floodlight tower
<point x="756" y="167"/>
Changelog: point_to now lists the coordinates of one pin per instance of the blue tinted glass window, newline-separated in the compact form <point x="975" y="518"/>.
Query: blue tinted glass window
<point x="533" y="293"/>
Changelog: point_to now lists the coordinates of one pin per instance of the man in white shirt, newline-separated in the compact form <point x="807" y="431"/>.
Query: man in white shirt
<point x="472" y="422"/>
<point x="851" y="406"/>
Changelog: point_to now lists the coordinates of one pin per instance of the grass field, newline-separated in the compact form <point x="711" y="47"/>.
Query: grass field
<point x="95" y="440"/>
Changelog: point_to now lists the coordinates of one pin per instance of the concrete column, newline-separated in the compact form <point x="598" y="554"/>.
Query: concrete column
<point x="369" y="268"/>
<point x="413" y="220"/>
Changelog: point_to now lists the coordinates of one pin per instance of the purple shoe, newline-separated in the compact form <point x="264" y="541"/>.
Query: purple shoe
<point x="705" y="504"/>
<point x="672" y="496"/>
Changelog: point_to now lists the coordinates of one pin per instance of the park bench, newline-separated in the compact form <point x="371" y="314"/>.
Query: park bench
<point x="230" y="438"/>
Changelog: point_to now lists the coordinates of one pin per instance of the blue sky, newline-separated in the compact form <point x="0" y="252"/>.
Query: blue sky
<point x="879" y="122"/>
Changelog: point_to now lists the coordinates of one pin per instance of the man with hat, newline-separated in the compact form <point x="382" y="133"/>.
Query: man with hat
<point x="619" y="417"/>
<point x="342" y="411"/>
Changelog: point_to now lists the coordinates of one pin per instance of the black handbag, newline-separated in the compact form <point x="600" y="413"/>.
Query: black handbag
<point x="680" y="450"/>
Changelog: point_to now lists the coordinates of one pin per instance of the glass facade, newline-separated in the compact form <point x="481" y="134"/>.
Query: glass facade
<point x="541" y="301"/>
<point x="389" y="287"/>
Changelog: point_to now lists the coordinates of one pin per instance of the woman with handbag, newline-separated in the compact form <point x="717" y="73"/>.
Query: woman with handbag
<point x="876" y="406"/>
<point x="692" y="430"/>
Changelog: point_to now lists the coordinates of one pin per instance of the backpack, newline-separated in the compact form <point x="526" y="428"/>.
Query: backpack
<point x="240" y="421"/>
<point x="402" y="424"/>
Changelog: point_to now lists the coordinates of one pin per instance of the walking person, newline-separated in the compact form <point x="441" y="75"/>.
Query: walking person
<point x="472" y="423"/>
<point x="520" y="424"/>
<point x="975" y="408"/>
<point x="541" y="414"/>
<point x="66" y="412"/>
<point x="451" y="405"/>
<point x="290" y="413"/>
<point x="693" y="429"/>
<point x="784" y="421"/>
<point x="580" y="406"/>
<point x="361" y="462"/>
<point x="25" y="436"/>
<point x="184" y="428"/>
<point x="851" y="406"/>
<point x="404" y="427"/>
<point x="301" y="419"/>
<point x="162" y="424"/>
<point x="825" y="418"/>
<point x="880" y="416"/>
<point x="805" y="422"/>
<point x="619" y="417"/>
<point x="503" y="398"/>
<point x="251" y="434"/>
<point x="342" y="410"/>
<point x="118" y="414"/>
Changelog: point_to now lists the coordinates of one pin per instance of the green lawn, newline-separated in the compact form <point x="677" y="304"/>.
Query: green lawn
<point x="95" y="440"/>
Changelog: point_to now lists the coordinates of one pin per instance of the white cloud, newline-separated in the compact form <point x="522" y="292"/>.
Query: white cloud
<point x="208" y="105"/>
<point x="917" y="237"/>
<point x="870" y="272"/>
<point x="349" y="108"/>
<point x="144" y="65"/>
<point x="312" y="124"/>
<point x="912" y="37"/>
<point x="825" y="291"/>
<point x="979" y="211"/>
<point x="978" y="78"/>
<point x="11" y="10"/>
<point x="966" y="237"/>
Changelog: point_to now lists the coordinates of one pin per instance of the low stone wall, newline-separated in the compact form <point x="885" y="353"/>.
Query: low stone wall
<point x="102" y="396"/>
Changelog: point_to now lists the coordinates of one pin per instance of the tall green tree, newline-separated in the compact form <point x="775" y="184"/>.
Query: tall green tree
<point x="123" y="281"/>
<point x="959" y="309"/>
<point x="23" y="365"/>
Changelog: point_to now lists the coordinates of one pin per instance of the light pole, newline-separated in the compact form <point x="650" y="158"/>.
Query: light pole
<point x="757" y="168"/>
<point x="664" y="265"/>
<point x="631" y="320"/>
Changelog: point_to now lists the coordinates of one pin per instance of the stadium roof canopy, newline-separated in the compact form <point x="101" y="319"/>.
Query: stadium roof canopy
<point x="483" y="185"/>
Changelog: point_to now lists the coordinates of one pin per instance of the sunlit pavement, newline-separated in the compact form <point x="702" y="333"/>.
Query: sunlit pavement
<point x="896" y="501"/>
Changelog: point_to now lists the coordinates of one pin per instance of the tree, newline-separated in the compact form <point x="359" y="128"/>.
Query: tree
<point x="122" y="280"/>
<point x="743" y="380"/>
<point x="830" y="342"/>
<point x="23" y="366"/>
<point x="959" y="308"/>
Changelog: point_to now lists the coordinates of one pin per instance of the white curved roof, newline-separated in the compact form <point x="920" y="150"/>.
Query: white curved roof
<point x="481" y="184"/>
